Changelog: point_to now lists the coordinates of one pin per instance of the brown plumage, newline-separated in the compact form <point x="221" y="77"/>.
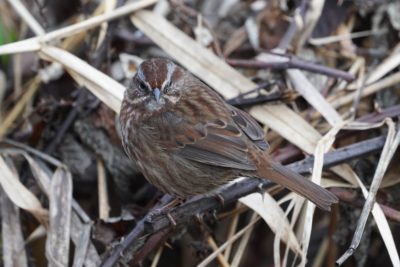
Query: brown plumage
<point x="187" y="141"/>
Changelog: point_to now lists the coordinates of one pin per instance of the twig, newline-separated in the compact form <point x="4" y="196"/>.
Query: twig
<point x="152" y="242"/>
<point x="119" y="250"/>
<point x="292" y="152"/>
<point x="69" y="120"/>
<point x="352" y="198"/>
<point x="341" y="155"/>
<point x="391" y="112"/>
<point x="131" y="37"/>
<point x="290" y="62"/>
<point x="242" y="101"/>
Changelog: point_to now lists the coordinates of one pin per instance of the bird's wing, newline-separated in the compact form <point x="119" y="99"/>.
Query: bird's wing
<point x="221" y="145"/>
<point x="216" y="138"/>
<point x="249" y="126"/>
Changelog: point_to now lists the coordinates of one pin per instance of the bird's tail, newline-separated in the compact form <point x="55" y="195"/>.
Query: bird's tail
<point x="302" y="186"/>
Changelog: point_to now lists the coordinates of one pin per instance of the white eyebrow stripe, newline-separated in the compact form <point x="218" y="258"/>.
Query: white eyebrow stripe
<point x="141" y="75"/>
<point x="170" y="70"/>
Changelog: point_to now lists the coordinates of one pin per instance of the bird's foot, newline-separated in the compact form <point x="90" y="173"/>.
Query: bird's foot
<point x="220" y="199"/>
<point x="165" y="211"/>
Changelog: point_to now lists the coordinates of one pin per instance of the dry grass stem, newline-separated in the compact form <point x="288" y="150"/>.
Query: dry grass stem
<point x="109" y="5"/>
<point x="100" y="84"/>
<point x="157" y="257"/>
<point x="35" y="43"/>
<point x="390" y="63"/>
<point x="13" y="244"/>
<point x="392" y="142"/>
<point x="342" y="37"/>
<point x="213" y="255"/>
<point x="274" y="216"/>
<point x="384" y="83"/>
<point x="27" y="17"/>
<point x="313" y="96"/>
<point x="58" y="235"/>
<point x="323" y="146"/>
<point x="220" y="257"/>
<point x="32" y="87"/>
<point x="232" y="229"/>
<point x="83" y="246"/>
<point x="104" y="206"/>
<point x="244" y="241"/>
<point x="19" y="194"/>
<point x="319" y="259"/>
<point x="310" y="19"/>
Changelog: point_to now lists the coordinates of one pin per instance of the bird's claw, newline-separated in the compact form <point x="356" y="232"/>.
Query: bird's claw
<point x="220" y="199"/>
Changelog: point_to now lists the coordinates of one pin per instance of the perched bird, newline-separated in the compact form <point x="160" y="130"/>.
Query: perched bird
<point x="187" y="140"/>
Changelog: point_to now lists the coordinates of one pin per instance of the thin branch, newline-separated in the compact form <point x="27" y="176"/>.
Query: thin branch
<point x="275" y="95"/>
<point x="118" y="251"/>
<point x="154" y="222"/>
<point x="351" y="197"/>
<point x="345" y="154"/>
<point x="290" y="62"/>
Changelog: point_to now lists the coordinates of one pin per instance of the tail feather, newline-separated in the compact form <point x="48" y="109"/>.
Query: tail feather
<point x="302" y="186"/>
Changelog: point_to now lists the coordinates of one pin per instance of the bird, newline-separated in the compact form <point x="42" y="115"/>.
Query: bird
<point x="187" y="141"/>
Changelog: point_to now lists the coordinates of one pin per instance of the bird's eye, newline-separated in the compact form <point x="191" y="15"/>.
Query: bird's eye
<point x="167" y="87"/>
<point x="142" y="86"/>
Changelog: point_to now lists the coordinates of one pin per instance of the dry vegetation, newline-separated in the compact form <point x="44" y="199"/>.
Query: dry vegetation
<point x="323" y="79"/>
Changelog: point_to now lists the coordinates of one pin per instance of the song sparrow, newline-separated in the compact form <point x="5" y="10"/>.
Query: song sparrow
<point x="187" y="141"/>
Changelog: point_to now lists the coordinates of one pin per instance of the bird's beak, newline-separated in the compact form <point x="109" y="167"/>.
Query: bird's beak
<point x="156" y="93"/>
